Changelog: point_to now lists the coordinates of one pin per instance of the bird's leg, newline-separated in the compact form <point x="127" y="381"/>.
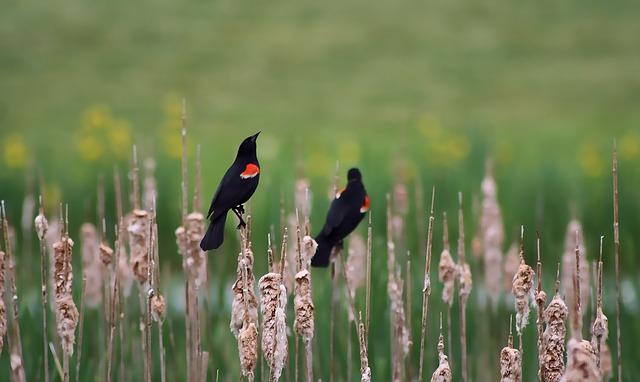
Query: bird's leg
<point x="239" y="215"/>
<point x="240" y="208"/>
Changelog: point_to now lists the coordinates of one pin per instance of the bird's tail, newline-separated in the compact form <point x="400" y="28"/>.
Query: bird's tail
<point x="215" y="234"/>
<point x="323" y="252"/>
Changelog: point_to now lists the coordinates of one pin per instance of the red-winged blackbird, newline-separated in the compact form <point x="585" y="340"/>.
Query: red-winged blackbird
<point x="345" y="213"/>
<point x="236" y="187"/>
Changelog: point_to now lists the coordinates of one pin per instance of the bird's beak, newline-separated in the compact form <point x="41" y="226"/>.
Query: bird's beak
<point x="255" y="136"/>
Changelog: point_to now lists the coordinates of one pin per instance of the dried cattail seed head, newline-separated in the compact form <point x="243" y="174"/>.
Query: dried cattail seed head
<point x="522" y="288"/>
<point x="41" y="226"/>
<point x="138" y="230"/>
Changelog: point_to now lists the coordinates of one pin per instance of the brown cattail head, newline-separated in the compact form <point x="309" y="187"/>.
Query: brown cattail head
<point x="158" y="307"/>
<point x="492" y="232"/>
<point x="42" y="225"/>
<point x="91" y="264"/>
<point x="196" y="260"/>
<point x="3" y="308"/>
<point x="447" y="268"/>
<point x="553" y="340"/>
<point x="303" y="304"/>
<point x="245" y="303"/>
<point x="274" y="336"/>
<point x="106" y="254"/>
<point x="138" y="230"/>
<point x="443" y="372"/>
<point x="66" y="311"/>
<point x="248" y="349"/>
<point x="510" y="365"/>
<point x="522" y="291"/>
<point x="581" y="362"/>
<point x="365" y="370"/>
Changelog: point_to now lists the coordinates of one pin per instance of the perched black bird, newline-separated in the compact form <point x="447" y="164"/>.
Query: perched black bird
<point x="236" y="187"/>
<point x="345" y="213"/>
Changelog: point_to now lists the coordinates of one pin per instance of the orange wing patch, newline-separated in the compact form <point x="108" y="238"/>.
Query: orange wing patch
<point x="365" y="206"/>
<point x="250" y="171"/>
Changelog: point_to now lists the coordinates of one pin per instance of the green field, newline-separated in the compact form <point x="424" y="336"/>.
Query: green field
<point x="409" y="91"/>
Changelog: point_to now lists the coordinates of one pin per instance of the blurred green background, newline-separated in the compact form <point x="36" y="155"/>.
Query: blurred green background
<point x="409" y="91"/>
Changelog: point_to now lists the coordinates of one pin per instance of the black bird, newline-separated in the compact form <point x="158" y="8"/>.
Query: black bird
<point x="236" y="187"/>
<point x="345" y="213"/>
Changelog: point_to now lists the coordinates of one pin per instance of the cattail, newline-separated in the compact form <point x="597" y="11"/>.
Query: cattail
<point x="304" y="308"/>
<point x="106" y="254"/>
<point x="196" y="261"/>
<point x="365" y="370"/>
<point x="443" y="372"/>
<point x="511" y="265"/>
<point x="158" y="307"/>
<point x="138" y="230"/>
<point x="600" y="327"/>
<point x="581" y="362"/>
<point x="274" y="330"/>
<point x="573" y="235"/>
<point x="400" y="335"/>
<point x="522" y="289"/>
<point x="66" y="311"/>
<point x="3" y="308"/>
<point x="552" y="356"/>
<point x="447" y="268"/>
<point x="510" y="362"/>
<point x="356" y="265"/>
<point x="91" y="264"/>
<point x="244" y="310"/>
<point x="41" y="226"/>
<point x="125" y="273"/>
<point x="492" y="235"/>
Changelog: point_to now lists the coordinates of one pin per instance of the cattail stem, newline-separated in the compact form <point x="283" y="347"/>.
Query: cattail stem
<point x="42" y="226"/>
<point x="465" y="289"/>
<point x="15" y="342"/>
<point x="426" y="289"/>
<point x="616" y="246"/>
<point x="540" y="300"/>
<point x="368" y="285"/>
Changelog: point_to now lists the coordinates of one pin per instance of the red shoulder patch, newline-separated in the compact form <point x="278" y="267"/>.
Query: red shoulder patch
<point x="340" y="193"/>
<point x="250" y="171"/>
<point x="365" y="206"/>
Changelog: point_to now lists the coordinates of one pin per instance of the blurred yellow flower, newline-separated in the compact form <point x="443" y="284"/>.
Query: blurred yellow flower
<point x="590" y="159"/>
<point x="171" y="126"/>
<point x="15" y="151"/>
<point x="443" y="147"/>
<point x="101" y="134"/>
<point x="630" y="145"/>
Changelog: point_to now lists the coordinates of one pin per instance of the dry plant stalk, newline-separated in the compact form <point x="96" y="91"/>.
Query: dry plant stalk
<point x="274" y="331"/>
<point x="3" y="308"/>
<point x="541" y="300"/>
<point x="443" y="371"/>
<point x="464" y="277"/>
<point x="91" y="264"/>
<point x="365" y="370"/>
<point x="400" y="340"/>
<point x="616" y="246"/>
<point x="138" y="230"/>
<point x="447" y="274"/>
<point x="41" y="226"/>
<point x="426" y="288"/>
<point x="510" y="362"/>
<point x="553" y="339"/>
<point x="522" y="290"/>
<point x="66" y="312"/>
<point x="149" y="186"/>
<point x="303" y="303"/>
<point x="581" y="358"/>
<point x="244" y="310"/>
<point x="15" y="342"/>
<point x="573" y="234"/>
<point x="600" y="328"/>
<point x="511" y="265"/>
<point x="492" y="235"/>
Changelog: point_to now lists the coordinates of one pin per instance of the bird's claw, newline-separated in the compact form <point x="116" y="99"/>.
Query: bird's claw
<point x="241" y="225"/>
<point x="240" y="209"/>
